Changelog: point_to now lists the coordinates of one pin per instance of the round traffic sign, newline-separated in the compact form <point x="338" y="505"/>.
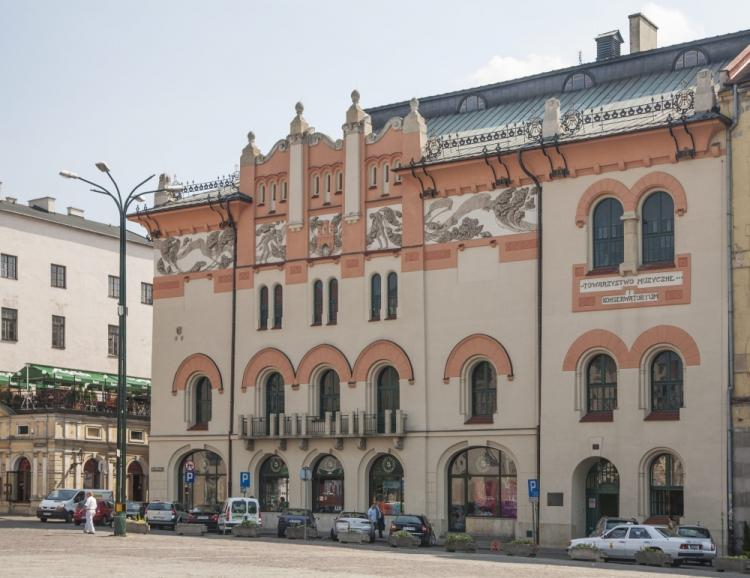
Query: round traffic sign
<point x="189" y="466"/>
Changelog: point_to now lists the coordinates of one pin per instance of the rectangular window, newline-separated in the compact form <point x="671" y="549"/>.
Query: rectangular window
<point x="22" y="430"/>
<point x="136" y="436"/>
<point x="58" y="332"/>
<point x="8" y="266"/>
<point x="57" y="276"/>
<point x="93" y="432"/>
<point x="147" y="293"/>
<point x="9" y="324"/>
<point x="113" y="287"/>
<point x="113" y="341"/>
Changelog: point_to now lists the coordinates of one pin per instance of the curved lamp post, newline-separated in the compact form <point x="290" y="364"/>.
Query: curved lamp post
<point x="123" y="204"/>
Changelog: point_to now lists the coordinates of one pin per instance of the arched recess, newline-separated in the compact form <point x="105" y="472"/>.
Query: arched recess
<point x="194" y="364"/>
<point x="662" y="181"/>
<point x="596" y="338"/>
<point x="599" y="189"/>
<point x="265" y="359"/>
<point x="667" y="335"/>
<point x="323" y="354"/>
<point x="383" y="350"/>
<point x="478" y="345"/>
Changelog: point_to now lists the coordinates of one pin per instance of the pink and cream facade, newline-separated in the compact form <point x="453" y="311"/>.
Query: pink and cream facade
<point x="396" y="329"/>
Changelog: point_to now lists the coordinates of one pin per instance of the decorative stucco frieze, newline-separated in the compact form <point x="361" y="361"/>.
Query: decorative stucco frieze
<point x="395" y="123"/>
<point x="270" y="242"/>
<point x="195" y="252"/>
<point x="325" y="235"/>
<point x="384" y="227"/>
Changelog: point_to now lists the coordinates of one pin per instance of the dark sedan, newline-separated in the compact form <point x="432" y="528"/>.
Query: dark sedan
<point x="296" y="517"/>
<point x="207" y="514"/>
<point x="417" y="525"/>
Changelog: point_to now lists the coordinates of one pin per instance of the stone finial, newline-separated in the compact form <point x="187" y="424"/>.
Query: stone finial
<point x="356" y="118"/>
<point x="250" y="152"/>
<point x="251" y="137"/>
<point x="299" y="125"/>
<point x="355" y="96"/>
<point x="705" y="95"/>
<point x="414" y="105"/>
<point x="414" y="121"/>
<point x="299" y="108"/>
<point x="551" y="121"/>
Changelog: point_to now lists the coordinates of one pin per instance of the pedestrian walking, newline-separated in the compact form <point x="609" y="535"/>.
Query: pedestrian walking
<point x="90" y="506"/>
<point x="374" y="516"/>
<point x="381" y="519"/>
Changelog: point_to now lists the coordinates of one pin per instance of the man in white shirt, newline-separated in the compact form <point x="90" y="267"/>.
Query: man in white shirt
<point x="374" y="513"/>
<point x="90" y="506"/>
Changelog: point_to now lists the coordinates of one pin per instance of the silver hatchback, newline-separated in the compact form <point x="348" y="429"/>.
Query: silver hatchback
<point x="165" y="514"/>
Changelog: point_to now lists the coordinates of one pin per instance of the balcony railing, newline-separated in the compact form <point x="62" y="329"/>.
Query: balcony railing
<point x="71" y="401"/>
<point x="354" y="424"/>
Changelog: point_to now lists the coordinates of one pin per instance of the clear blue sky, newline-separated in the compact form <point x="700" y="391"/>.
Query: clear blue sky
<point x="174" y="86"/>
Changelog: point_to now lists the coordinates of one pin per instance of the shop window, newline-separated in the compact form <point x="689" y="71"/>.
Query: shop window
<point x="667" y="479"/>
<point x="608" y="234"/>
<point x="657" y="222"/>
<point x="209" y="487"/>
<point x="328" y="485"/>
<point x="601" y="384"/>
<point x="666" y="382"/>
<point x="387" y="485"/>
<point x="274" y="485"/>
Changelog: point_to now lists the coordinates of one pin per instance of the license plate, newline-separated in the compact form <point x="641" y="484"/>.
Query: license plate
<point x="409" y="528"/>
<point x="203" y="517"/>
<point x="694" y="546"/>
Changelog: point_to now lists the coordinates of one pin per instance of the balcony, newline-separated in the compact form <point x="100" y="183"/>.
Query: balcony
<point x="338" y="425"/>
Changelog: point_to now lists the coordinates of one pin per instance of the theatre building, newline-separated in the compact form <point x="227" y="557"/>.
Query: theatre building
<point x="461" y="294"/>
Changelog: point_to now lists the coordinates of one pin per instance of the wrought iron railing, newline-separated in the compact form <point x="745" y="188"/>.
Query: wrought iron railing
<point x="355" y="424"/>
<point x="221" y="185"/>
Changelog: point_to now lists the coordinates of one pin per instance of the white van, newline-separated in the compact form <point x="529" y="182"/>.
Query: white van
<point x="234" y="511"/>
<point x="62" y="503"/>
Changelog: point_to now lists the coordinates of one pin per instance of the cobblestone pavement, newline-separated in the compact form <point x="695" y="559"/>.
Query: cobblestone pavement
<point x="30" y="548"/>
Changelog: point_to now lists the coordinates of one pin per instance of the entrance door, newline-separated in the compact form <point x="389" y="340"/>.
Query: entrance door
<point x="602" y="493"/>
<point x="274" y="398"/>
<point x="135" y="475"/>
<point x="388" y="397"/>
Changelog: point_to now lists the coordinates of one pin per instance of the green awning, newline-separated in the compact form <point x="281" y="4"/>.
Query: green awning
<point x="49" y="376"/>
<point x="5" y="377"/>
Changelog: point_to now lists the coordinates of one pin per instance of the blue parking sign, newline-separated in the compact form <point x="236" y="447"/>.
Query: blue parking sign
<point x="533" y="490"/>
<point x="189" y="477"/>
<point x="244" y="480"/>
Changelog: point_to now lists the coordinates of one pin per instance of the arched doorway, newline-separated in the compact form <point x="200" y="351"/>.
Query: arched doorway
<point x="328" y="485"/>
<point x="387" y="485"/>
<point x="602" y="493"/>
<point x="18" y="487"/>
<point x="274" y="484"/>
<point x="209" y="486"/>
<point x="387" y="397"/>
<point x="136" y="482"/>
<point x="92" y="475"/>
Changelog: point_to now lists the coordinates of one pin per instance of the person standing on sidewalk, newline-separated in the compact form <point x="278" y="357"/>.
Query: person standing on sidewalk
<point x="374" y="515"/>
<point x="90" y="506"/>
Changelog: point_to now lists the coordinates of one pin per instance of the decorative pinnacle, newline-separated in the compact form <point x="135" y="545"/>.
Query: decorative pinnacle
<point x="414" y="105"/>
<point x="355" y="96"/>
<point x="251" y="137"/>
<point x="300" y="108"/>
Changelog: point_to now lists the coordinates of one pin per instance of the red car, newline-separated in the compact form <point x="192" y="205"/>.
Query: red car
<point x="105" y="510"/>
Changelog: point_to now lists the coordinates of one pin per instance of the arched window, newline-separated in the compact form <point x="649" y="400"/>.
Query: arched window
<point x="330" y="394"/>
<point x="327" y="190"/>
<point x="481" y="483"/>
<point x="483" y="390"/>
<point x="667" y="479"/>
<point x="317" y="302"/>
<point x="202" y="401"/>
<point x="386" y="173"/>
<point x="328" y="485"/>
<point x="690" y="58"/>
<point x="388" y="398"/>
<point x="274" y="399"/>
<point x="658" y="228"/>
<point x="666" y="382"/>
<point x="261" y="194"/>
<point x="19" y="481"/>
<point x="273" y="196"/>
<point x="274" y="485"/>
<point x="578" y="81"/>
<point x="92" y="475"/>
<point x="339" y="181"/>
<point x="472" y="103"/>
<point x="263" y="309"/>
<point x="283" y="191"/>
<point x="375" y="299"/>
<point x="333" y="301"/>
<point x="601" y="384"/>
<point x="315" y="185"/>
<point x="278" y="306"/>
<point x="209" y="482"/>
<point x="608" y="234"/>
<point x="387" y="485"/>
<point x="373" y="176"/>
<point x="392" y="296"/>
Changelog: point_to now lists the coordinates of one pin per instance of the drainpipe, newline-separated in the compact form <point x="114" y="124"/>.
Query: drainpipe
<point x="730" y="296"/>
<point x="230" y="469"/>
<point x="539" y="273"/>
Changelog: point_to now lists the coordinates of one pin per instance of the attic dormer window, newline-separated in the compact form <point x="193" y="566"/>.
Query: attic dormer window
<point x="690" y="58"/>
<point x="578" y="81"/>
<point x="472" y="103"/>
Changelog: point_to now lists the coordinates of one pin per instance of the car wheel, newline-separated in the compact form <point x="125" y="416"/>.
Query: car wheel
<point x="77" y="523"/>
<point x="43" y="519"/>
<point x="68" y="518"/>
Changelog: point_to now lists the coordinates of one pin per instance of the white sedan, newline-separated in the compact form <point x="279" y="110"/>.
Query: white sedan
<point x="622" y="542"/>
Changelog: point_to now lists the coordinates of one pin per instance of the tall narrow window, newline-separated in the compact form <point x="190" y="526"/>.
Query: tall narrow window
<point x="263" y="309"/>
<point x="315" y="185"/>
<point x="261" y="194"/>
<point x="375" y="299"/>
<point x="667" y="479"/>
<point x="608" y="234"/>
<point x="329" y="392"/>
<point x="658" y="228"/>
<point x="317" y="302"/>
<point x="601" y="384"/>
<point x="113" y="340"/>
<point x="273" y="196"/>
<point x="339" y="181"/>
<point x="373" y="176"/>
<point x="147" y="293"/>
<point x="666" y="382"/>
<point x="483" y="390"/>
<point x="333" y="301"/>
<point x="283" y="191"/>
<point x="8" y="266"/>
<point x="57" y="276"/>
<point x="278" y="306"/>
<point x="9" y="324"/>
<point x="113" y="287"/>
<point x="396" y="176"/>
<point x="202" y="402"/>
<point x="327" y="190"/>
<point x="58" y="332"/>
<point x="392" y="295"/>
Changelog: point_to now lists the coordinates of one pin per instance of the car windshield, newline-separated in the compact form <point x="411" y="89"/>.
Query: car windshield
<point x="666" y="532"/>
<point x="701" y="533"/>
<point x="205" y="509"/>
<point x="61" y="495"/>
<point x="295" y="512"/>
<point x="408" y="520"/>
<point x="133" y="505"/>
<point x="354" y="515"/>
<point x="615" y="522"/>
<point x="160" y="506"/>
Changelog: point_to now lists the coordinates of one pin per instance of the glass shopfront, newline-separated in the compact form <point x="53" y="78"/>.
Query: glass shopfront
<point x="209" y="485"/>
<point x="328" y="485"/>
<point x="387" y="485"/>
<point x="274" y="485"/>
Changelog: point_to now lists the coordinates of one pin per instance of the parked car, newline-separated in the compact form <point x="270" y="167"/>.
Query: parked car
<point x="622" y="542"/>
<point x="295" y="517"/>
<point x="606" y="523"/>
<point x="353" y="522"/>
<point x="135" y="510"/>
<point x="702" y="534"/>
<point x="417" y="525"/>
<point x="234" y="511"/>
<point x="207" y="514"/>
<point x="105" y="510"/>
<point x="165" y="514"/>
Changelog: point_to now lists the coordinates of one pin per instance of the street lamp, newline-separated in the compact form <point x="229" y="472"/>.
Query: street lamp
<point x="122" y="207"/>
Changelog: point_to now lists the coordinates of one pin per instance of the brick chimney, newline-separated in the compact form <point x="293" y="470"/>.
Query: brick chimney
<point x="43" y="204"/>
<point x="642" y="33"/>
<point x="608" y="45"/>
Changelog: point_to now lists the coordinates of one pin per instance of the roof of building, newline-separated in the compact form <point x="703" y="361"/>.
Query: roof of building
<point x="72" y="221"/>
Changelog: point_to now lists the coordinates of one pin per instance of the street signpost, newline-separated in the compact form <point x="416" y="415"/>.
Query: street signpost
<point x="189" y="466"/>
<point x="189" y="477"/>
<point x="244" y="482"/>
<point x="305" y="474"/>
<point x="534" y="499"/>
<point x="533" y="490"/>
